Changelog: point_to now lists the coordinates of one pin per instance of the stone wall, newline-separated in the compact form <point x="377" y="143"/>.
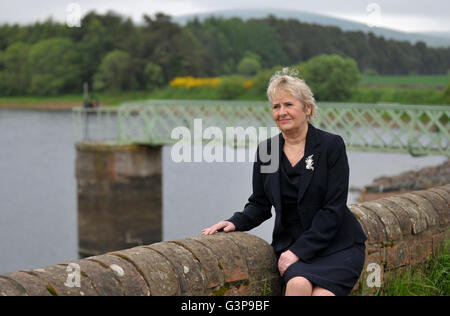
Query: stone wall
<point x="222" y="264"/>
<point x="403" y="230"/>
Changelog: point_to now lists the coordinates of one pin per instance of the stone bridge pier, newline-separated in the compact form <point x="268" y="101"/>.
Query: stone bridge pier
<point x="119" y="190"/>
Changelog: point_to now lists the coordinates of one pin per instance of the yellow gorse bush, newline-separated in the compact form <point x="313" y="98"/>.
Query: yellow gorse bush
<point x="192" y="82"/>
<point x="248" y="84"/>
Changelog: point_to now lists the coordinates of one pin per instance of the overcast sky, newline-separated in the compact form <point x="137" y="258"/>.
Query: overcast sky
<point x="403" y="15"/>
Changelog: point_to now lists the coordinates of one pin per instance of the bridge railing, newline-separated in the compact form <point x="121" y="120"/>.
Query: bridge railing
<point x="414" y="129"/>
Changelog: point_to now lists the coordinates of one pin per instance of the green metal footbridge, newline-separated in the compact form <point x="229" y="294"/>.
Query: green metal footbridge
<point x="414" y="129"/>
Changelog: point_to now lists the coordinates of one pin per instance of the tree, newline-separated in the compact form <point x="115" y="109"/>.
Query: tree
<point x="153" y="76"/>
<point x="225" y="43"/>
<point x="54" y="67"/>
<point x="16" y="76"/>
<point x="250" y="64"/>
<point x="2" y="88"/>
<point x="95" y="44"/>
<point x="174" y="48"/>
<point x="331" y="77"/>
<point x="231" y="87"/>
<point x="447" y="94"/>
<point x="116" y="73"/>
<point x="261" y="80"/>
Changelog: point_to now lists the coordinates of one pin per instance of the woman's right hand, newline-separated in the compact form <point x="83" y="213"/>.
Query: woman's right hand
<point x="225" y="225"/>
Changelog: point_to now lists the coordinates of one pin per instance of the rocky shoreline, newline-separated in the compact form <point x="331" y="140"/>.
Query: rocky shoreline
<point x="407" y="181"/>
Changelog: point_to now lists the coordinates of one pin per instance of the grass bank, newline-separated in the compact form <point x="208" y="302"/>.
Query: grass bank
<point x="414" y="80"/>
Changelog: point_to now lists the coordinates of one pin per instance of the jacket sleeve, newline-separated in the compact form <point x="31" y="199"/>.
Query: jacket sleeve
<point x="258" y="209"/>
<point x="327" y="220"/>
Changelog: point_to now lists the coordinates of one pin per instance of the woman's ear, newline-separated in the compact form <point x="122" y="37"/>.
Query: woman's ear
<point x="308" y="109"/>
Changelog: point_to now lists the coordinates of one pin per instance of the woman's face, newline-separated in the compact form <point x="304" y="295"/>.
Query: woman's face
<point x="288" y="112"/>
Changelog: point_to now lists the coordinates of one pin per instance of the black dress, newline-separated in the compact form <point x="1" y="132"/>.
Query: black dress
<point x="337" y="272"/>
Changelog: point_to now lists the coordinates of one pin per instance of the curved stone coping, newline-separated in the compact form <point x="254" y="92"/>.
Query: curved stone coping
<point x="221" y="264"/>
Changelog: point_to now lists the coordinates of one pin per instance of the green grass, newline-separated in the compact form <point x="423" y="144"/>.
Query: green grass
<point x="398" y="95"/>
<point x="41" y="99"/>
<point x="113" y="99"/>
<point x="438" y="80"/>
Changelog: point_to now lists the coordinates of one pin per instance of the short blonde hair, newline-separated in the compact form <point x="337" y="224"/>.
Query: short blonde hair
<point x="287" y="80"/>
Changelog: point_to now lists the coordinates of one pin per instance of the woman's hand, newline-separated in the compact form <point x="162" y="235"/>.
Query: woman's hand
<point x="286" y="259"/>
<point x="227" y="227"/>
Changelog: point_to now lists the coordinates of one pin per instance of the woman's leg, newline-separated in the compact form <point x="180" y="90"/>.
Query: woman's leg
<point x="299" y="286"/>
<point x="320" y="291"/>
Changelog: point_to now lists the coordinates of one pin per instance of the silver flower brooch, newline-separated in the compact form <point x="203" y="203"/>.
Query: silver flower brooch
<point x="309" y="163"/>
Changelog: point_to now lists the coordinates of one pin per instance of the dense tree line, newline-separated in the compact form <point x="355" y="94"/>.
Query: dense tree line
<point x="111" y="53"/>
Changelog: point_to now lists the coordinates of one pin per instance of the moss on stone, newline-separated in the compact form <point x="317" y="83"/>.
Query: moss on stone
<point x="52" y="290"/>
<point x="222" y="290"/>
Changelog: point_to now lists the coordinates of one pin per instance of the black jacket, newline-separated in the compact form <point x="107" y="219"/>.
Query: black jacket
<point x="327" y="223"/>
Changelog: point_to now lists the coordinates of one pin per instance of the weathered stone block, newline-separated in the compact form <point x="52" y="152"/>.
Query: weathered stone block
<point x="418" y="222"/>
<point x="214" y="276"/>
<point x="425" y="207"/>
<point x="32" y="285"/>
<point x="264" y="277"/>
<point x="132" y="282"/>
<point x="230" y="259"/>
<point x="401" y="215"/>
<point x="390" y="222"/>
<point x="442" y="192"/>
<point x="187" y="267"/>
<point x="258" y="254"/>
<point x="9" y="287"/>
<point x="397" y="255"/>
<point x="440" y="205"/>
<point x="375" y="229"/>
<point x="438" y="242"/>
<point x="446" y="187"/>
<point x="420" y="248"/>
<point x="377" y="257"/>
<point x="102" y="278"/>
<point x="62" y="282"/>
<point x="155" y="268"/>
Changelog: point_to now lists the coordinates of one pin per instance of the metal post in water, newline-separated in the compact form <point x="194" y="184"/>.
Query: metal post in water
<point x="86" y="112"/>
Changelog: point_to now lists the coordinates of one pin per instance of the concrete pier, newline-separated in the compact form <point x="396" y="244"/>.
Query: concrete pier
<point x="119" y="196"/>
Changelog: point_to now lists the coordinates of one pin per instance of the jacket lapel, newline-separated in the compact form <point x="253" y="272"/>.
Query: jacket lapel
<point x="311" y="148"/>
<point x="312" y="152"/>
<point x="275" y="176"/>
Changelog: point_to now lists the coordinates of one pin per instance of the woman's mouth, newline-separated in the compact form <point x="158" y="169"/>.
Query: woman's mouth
<point x="284" y="120"/>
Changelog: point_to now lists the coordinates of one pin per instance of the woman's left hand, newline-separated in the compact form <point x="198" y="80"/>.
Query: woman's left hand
<point x="286" y="259"/>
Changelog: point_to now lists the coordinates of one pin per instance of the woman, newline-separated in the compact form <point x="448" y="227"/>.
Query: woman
<point x="318" y="242"/>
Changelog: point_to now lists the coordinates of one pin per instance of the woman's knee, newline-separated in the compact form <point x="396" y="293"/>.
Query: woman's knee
<point x="299" y="286"/>
<point x="320" y="291"/>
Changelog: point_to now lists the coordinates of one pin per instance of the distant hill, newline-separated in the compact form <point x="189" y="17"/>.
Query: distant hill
<point x="435" y="39"/>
